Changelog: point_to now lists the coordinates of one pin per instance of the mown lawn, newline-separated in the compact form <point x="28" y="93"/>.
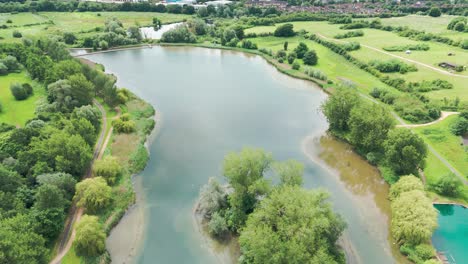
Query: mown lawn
<point x="447" y="144"/>
<point x="18" y="112"/>
<point x="380" y="39"/>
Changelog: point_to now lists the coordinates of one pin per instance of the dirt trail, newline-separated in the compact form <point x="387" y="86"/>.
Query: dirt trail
<point x="68" y="235"/>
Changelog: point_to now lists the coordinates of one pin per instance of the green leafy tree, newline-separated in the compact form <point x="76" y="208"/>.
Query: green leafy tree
<point x="90" y="240"/>
<point x="49" y="222"/>
<point x="448" y="185"/>
<point x="69" y="38"/>
<point x="84" y="128"/>
<point x="290" y="172"/>
<point x="292" y="225"/>
<point x="405" y="151"/>
<point x="11" y="63"/>
<point x="82" y="89"/>
<point x="244" y="171"/>
<point x="93" y="194"/>
<point x="285" y="30"/>
<point x="338" y="106"/>
<point x="157" y="24"/>
<point x="90" y="113"/>
<point x="285" y="46"/>
<point x="460" y="126"/>
<point x="109" y="168"/>
<point x="435" y="12"/>
<point x="405" y="184"/>
<point x="134" y="33"/>
<point x="291" y="57"/>
<point x="19" y="243"/>
<point x="19" y="91"/>
<point x="369" y="126"/>
<point x="217" y="225"/>
<point x="301" y="50"/>
<point x="310" y="58"/>
<point x="48" y="197"/>
<point x="63" y="181"/>
<point x="414" y="219"/>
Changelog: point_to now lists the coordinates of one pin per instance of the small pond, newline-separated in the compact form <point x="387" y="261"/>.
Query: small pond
<point x="451" y="237"/>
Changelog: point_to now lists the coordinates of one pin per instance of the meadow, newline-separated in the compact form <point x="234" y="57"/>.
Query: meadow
<point x="18" y="112"/>
<point x="80" y="23"/>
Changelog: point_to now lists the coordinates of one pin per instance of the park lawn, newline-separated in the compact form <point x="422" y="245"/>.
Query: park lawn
<point x="333" y="65"/>
<point x="446" y="144"/>
<point x="21" y="19"/>
<point x="18" y="112"/>
<point x="429" y="24"/>
<point x="71" y="257"/>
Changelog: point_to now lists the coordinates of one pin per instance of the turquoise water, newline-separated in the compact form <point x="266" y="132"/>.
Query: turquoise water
<point x="212" y="102"/>
<point x="451" y="237"/>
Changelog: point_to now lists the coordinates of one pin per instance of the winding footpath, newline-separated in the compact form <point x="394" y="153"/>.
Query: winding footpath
<point x="68" y="235"/>
<point x="399" y="57"/>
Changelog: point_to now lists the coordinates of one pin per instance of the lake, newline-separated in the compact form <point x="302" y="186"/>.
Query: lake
<point x="212" y="102"/>
<point x="451" y="237"/>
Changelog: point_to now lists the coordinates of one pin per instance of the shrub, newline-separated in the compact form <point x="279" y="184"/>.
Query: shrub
<point x="109" y="168"/>
<point x="460" y="126"/>
<point x="3" y="69"/>
<point x="19" y="92"/>
<point x="316" y="74"/>
<point x="217" y="226"/>
<point x="247" y="44"/>
<point x="350" y="46"/>
<point x="291" y="57"/>
<point x="126" y="127"/>
<point x="103" y="45"/>
<point x="11" y="63"/>
<point x="180" y="34"/>
<point x="460" y="26"/>
<point x="464" y="44"/>
<point x="405" y="184"/>
<point x="392" y="66"/>
<point x="350" y="34"/>
<point x="285" y="30"/>
<point x="448" y="185"/>
<point x="356" y="25"/>
<point x="435" y="12"/>
<point x="69" y="38"/>
<point x="301" y="50"/>
<point x="281" y="54"/>
<point x="17" y="34"/>
<point x="310" y="58"/>
<point x="423" y="47"/>
<point x="296" y="66"/>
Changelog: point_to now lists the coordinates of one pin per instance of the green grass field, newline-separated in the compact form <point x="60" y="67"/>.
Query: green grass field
<point x="447" y="144"/>
<point x="76" y="22"/>
<point x="18" y="112"/>
<point x="380" y="39"/>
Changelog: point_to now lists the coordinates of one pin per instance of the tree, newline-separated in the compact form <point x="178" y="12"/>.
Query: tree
<point x="90" y="240"/>
<point x="69" y="38"/>
<point x="435" y="12"/>
<point x="3" y="69"/>
<point x="460" y="26"/>
<point x="448" y="185"/>
<point x="405" y="151"/>
<point x="338" y="106"/>
<point x="414" y="219"/>
<point x="109" y="168"/>
<point x="49" y="197"/>
<point x="217" y="226"/>
<point x="11" y="63"/>
<point x="213" y="197"/>
<point x="17" y="34"/>
<point x="90" y="113"/>
<point x="292" y="225"/>
<point x="369" y="126"/>
<point x="460" y="126"/>
<point x="82" y="89"/>
<point x="290" y="172"/>
<point x="60" y="93"/>
<point x="18" y="91"/>
<point x="93" y="194"/>
<point x="157" y="24"/>
<point x="285" y="46"/>
<point x="180" y="34"/>
<point x="134" y="33"/>
<point x="301" y="50"/>
<point x="291" y="57"/>
<point x="244" y="171"/>
<point x="285" y="30"/>
<point x="84" y="128"/>
<point x="19" y="243"/>
<point x="64" y="181"/>
<point x="49" y="222"/>
<point x="405" y="184"/>
<point x="310" y="58"/>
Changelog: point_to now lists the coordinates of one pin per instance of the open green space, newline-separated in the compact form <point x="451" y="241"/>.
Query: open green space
<point x="76" y="22"/>
<point x="18" y="112"/>
<point x="446" y="143"/>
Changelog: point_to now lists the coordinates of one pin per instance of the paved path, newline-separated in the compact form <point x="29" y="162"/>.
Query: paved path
<point x="443" y="115"/>
<point x="66" y="239"/>
<point x="400" y="57"/>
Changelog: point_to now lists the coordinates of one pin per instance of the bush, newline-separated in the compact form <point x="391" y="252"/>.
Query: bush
<point x="180" y="34"/>
<point x="460" y="126"/>
<point x="405" y="184"/>
<point x="285" y="30"/>
<point x="423" y="47"/>
<point x="17" y="34"/>
<point x="434" y="12"/>
<point x="296" y="66"/>
<point x="392" y="66"/>
<point x="316" y="74"/>
<point x="281" y="54"/>
<point x="3" y="69"/>
<point x="310" y="58"/>
<point x="69" y="38"/>
<point x="247" y="44"/>
<point x="20" y="91"/>
<point x="448" y="185"/>
<point x="217" y="226"/>
<point x="291" y="57"/>
<point x="350" y="46"/>
<point x="126" y="127"/>
<point x="350" y="34"/>
<point x="301" y="50"/>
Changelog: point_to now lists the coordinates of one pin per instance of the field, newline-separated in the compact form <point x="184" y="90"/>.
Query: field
<point x="447" y="144"/>
<point x="47" y="23"/>
<point x="373" y="42"/>
<point x="18" y="112"/>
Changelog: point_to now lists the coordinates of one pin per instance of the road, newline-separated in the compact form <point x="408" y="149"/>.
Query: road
<point x="399" y="57"/>
<point x="66" y="239"/>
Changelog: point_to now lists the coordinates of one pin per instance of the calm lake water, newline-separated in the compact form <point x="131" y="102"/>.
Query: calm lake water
<point x="451" y="237"/>
<point x="213" y="102"/>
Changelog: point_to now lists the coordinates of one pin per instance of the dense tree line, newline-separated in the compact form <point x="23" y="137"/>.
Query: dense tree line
<point x="370" y="128"/>
<point x="41" y="162"/>
<point x="281" y="223"/>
